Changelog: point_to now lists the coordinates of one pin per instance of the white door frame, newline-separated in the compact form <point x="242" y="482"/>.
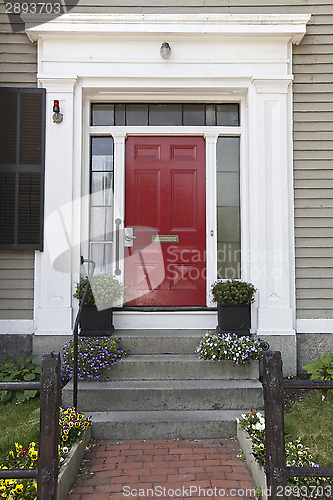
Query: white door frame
<point x="210" y="135"/>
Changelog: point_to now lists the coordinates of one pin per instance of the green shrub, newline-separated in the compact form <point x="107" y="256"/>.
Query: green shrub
<point x="321" y="368"/>
<point x="233" y="292"/>
<point x="21" y="370"/>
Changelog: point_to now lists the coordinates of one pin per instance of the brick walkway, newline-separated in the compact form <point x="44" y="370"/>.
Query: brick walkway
<point x="161" y="469"/>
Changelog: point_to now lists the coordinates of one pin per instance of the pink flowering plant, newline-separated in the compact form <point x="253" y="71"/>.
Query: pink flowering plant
<point x="297" y="455"/>
<point x="240" y="350"/>
<point x="94" y="355"/>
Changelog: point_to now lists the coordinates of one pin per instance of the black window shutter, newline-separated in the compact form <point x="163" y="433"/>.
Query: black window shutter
<point x="22" y="161"/>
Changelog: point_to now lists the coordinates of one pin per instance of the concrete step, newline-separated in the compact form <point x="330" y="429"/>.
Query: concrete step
<point x="164" y="424"/>
<point x="160" y="341"/>
<point x="160" y="395"/>
<point x="179" y="367"/>
<point x="163" y="390"/>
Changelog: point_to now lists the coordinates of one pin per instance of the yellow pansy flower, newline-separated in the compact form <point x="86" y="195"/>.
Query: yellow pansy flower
<point x="19" y="488"/>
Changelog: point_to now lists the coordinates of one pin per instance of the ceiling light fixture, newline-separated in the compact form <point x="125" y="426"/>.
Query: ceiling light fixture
<point x="165" y="50"/>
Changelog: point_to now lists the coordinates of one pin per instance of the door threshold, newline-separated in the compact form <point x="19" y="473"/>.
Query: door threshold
<point x="164" y="308"/>
<point x="164" y="318"/>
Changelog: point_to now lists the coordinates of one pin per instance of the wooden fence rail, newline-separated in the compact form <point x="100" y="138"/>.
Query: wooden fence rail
<point x="49" y="387"/>
<point x="276" y="468"/>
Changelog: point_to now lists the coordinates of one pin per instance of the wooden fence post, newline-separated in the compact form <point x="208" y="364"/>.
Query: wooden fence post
<point x="275" y="452"/>
<point x="47" y="477"/>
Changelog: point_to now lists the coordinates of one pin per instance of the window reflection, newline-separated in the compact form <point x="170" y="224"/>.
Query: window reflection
<point x="228" y="208"/>
<point x="170" y="114"/>
<point x="101" y="202"/>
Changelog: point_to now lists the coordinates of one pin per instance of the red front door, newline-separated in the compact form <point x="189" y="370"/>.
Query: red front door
<point x="165" y="200"/>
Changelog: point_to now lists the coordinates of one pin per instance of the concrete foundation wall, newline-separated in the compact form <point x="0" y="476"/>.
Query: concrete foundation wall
<point x="309" y="343"/>
<point x="48" y="343"/>
<point x="15" y="345"/>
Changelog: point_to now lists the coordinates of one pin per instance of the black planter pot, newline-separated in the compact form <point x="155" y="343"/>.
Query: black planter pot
<point x="234" y="318"/>
<point x="96" y="323"/>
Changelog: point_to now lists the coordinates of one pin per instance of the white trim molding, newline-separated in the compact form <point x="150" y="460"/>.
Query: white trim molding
<point x="53" y="291"/>
<point x="16" y="326"/>
<point x="291" y="25"/>
<point x="315" y="326"/>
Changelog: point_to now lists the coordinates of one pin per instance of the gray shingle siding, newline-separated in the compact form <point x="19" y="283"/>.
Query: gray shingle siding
<point x="16" y="285"/>
<point x="18" y="58"/>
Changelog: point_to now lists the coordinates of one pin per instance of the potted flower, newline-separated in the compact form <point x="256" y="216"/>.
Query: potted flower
<point x="96" y="315"/>
<point x="234" y="299"/>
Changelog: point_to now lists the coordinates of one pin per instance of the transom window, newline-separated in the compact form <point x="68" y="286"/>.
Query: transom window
<point x="225" y="115"/>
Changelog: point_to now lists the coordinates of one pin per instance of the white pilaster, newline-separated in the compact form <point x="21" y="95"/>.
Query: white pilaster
<point x="53" y="291"/>
<point x="270" y="199"/>
<point x="211" y="219"/>
<point x="119" y="197"/>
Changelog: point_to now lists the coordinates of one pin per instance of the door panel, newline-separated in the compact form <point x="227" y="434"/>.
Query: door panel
<point x="165" y="200"/>
<point x="183" y="195"/>
<point x="147" y="191"/>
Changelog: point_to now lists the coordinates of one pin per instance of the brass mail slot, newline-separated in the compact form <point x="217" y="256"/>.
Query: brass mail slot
<point x="165" y="238"/>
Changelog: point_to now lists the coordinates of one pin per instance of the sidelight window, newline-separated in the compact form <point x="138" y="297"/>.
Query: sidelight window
<point x="228" y="208"/>
<point x="101" y="201"/>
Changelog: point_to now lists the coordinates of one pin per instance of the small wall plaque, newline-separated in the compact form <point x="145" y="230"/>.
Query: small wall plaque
<point x="165" y="238"/>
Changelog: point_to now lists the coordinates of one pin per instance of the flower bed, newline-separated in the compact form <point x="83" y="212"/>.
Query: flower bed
<point x="72" y="429"/>
<point x="251" y="435"/>
<point x="259" y="476"/>
<point x="71" y="464"/>
<point x="94" y="355"/>
<point x="239" y="350"/>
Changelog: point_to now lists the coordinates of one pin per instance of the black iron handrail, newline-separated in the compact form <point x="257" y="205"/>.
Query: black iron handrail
<point x="276" y="469"/>
<point x="76" y="328"/>
<point x="49" y="387"/>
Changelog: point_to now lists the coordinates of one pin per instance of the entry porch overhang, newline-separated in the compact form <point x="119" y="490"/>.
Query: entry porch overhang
<point x="115" y="57"/>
